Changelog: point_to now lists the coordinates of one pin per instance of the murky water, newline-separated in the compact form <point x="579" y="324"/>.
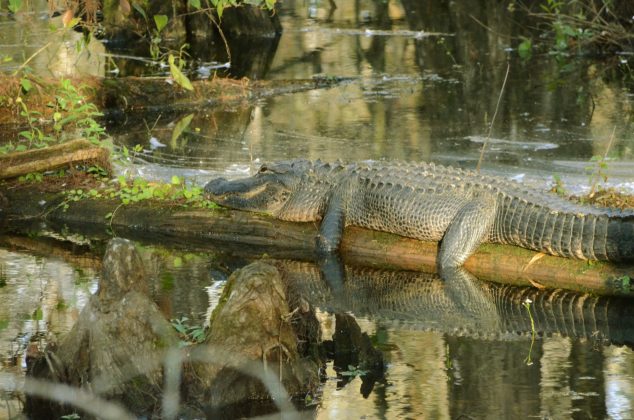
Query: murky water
<point x="426" y="81"/>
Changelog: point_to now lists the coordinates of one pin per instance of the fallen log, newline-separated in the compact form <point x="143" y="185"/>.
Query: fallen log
<point x="60" y="155"/>
<point x="149" y="94"/>
<point x="169" y="221"/>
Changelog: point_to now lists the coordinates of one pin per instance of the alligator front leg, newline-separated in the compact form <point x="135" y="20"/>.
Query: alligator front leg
<point x="468" y="229"/>
<point x="332" y="225"/>
<point x="329" y="240"/>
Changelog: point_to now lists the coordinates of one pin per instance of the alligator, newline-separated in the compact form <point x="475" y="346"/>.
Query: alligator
<point x="458" y="208"/>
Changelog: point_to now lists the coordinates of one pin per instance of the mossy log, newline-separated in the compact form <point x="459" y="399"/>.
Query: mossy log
<point x="148" y="94"/>
<point x="168" y="221"/>
<point x="53" y="157"/>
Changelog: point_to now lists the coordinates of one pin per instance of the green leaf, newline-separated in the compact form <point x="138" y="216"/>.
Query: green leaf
<point x="15" y="5"/>
<point x="179" y="327"/>
<point x="26" y="134"/>
<point x="195" y="4"/>
<point x="525" y="49"/>
<point x="176" y="180"/>
<point x="38" y="314"/>
<point x="161" y="21"/>
<point x="180" y="126"/>
<point x="139" y="9"/>
<point x="178" y="262"/>
<point x="219" y="9"/>
<point x="73" y="22"/>
<point x="26" y="84"/>
<point x="178" y="76"/>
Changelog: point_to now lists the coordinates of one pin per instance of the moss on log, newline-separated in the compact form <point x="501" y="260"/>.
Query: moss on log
<point x="202" y="227"/>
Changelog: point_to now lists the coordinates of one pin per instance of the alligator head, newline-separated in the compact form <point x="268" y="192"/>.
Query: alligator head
<point x="271" y="189"/>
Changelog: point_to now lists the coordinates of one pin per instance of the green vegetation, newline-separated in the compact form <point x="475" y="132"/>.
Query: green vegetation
<point x="623" y="283"/>
<point x="353" y="371"/>
<point x="72" y="116"/>
<point x="188" y="333"/>
<point x="139" y="189"/>
<point x="176" y="59"/>
<point x="558" y="186"/>
<point x="576" y="27"/>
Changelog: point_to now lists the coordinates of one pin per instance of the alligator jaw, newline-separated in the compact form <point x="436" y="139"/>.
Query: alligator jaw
<point x="260" y="194"/>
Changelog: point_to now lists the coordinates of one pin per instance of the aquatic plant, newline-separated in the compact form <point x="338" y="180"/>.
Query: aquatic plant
<point x="598" y="169"/>
<point x="353" y="371"/>
<point x="527" y="305"/>
<point x="189" y="333"/>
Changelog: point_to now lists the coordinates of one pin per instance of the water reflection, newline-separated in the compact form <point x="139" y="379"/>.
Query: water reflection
<point x="437" y="366"/>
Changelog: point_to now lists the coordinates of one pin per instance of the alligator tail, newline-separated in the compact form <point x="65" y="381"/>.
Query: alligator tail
<point x="620" y="239"/>
<point x="602" y="236"/>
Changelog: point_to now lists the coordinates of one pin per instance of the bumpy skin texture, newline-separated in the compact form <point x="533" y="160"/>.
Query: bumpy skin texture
<point x="462" y="209"/>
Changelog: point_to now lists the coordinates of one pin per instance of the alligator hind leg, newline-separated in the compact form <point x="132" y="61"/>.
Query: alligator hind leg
<point x="468" y="229"/>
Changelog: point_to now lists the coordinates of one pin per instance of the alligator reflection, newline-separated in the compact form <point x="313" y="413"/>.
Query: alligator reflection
<point x="424" y="301"/>
<point x="444" y="362"/>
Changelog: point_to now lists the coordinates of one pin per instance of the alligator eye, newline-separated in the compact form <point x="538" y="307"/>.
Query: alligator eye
<point x="263" y="169"/>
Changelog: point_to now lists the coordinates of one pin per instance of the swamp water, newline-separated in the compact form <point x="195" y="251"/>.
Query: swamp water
<point x="425" y="85"/>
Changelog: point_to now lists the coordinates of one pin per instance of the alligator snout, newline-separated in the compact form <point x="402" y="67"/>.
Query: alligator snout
<point x="217" y="186"/>
<point x="220" y="186"/>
